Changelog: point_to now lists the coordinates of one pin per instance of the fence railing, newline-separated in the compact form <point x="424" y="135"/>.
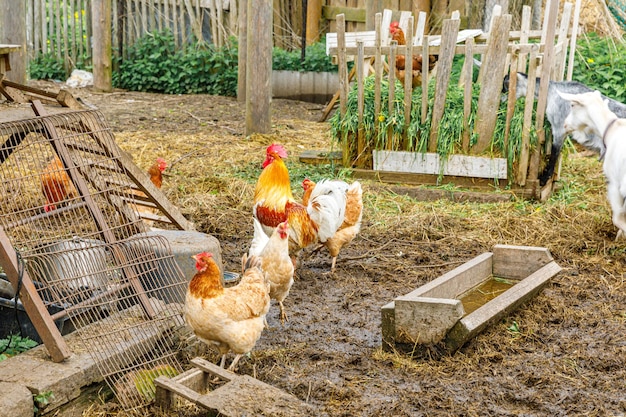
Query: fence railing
<point x="539" y="53"/>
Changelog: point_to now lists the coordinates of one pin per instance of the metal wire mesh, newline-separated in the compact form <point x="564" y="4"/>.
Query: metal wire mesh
<point x="64" y="204"/>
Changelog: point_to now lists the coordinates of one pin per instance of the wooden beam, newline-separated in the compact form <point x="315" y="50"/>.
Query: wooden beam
<point x="101" y="23"/>
<point x="352" y="14"/>
<point x="313" y="17"/>
<point x="492" y="69"/>
<point x="13" y="31"/>
<point x="449" y="32"/>
<point x="242" y="54"/>
<point x="258" y="77"/>
<point x="34" y="306"/>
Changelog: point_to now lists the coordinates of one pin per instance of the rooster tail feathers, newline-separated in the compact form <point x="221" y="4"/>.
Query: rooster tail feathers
<point x="253" y="261"/>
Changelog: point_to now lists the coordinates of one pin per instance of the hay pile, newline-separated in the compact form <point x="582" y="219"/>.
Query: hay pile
<point x="596" y="17"/>
<point x="565" y="355"/>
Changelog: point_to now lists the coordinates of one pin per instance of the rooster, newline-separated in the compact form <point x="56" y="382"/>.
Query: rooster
<point x="278" y="266"/>
<point x="351" y="225"/>
<point x="56" y="184"/>
<point x="397" y="34"/>
<point x="232" y="319"/>
<point x="274" y="203"/>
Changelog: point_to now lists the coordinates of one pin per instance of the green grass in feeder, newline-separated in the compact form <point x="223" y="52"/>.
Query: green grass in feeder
<point x="391" y="125"/>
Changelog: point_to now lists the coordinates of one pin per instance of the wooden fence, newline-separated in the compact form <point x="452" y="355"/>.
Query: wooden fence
<point x="63" y="27"/>
<point x="538" y="53"/>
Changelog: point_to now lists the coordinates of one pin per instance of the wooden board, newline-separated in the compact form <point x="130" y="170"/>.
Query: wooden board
<point x="431" y="163"/>
<point x="515" y="262"/>
<point x="494" y="310"/>
<point x="434" y="311"/>
<point x="492" y="69"/>
<point x="433" y="194"/>
<point x="240" y="395"/>
<point x="319" y="157"/>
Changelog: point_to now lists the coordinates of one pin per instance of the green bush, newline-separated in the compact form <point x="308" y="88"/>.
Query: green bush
<point x="47" y="67"/>
<point x="601" y="64"/>
<point x="315" y="59"/>
<point x="155" y="65"/>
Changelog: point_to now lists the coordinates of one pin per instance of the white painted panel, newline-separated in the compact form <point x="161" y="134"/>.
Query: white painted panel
<point x="430" y="163"/>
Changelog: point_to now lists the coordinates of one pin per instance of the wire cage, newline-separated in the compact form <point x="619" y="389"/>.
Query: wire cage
<point x="70" y="204"/>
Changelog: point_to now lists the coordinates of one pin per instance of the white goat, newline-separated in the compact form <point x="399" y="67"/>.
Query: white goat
<point x="557" y="110"/>
<point x="591" y="113"/>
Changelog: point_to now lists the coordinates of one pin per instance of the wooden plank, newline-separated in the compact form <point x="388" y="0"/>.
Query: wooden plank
<point x="258" y="85"/>
<point x="574" y="36"/>
<point x="431" y="163"/>
<point x="351" y="39"/>
<point x="420" y="29"/>
<point x="494" y="310"/>
<point x="424" y="320"/>
<point x="559" y="67"/>
<point x="434" y="49"/>
<point x="524" y="158"/>
<point x="343" y="76"/>
<point x="378" y="72"/>
<point x="459" y="280"/>
<point x="34" y="306"/>
<point x="518" y="262"/>
<point x="248" y="396"/>
<point x="548" y="56"/>
<point x="360" y="160"/>
<point x="408" y="84"/>
<point x="510" y="105"/>
<point x="213" y="369"/>
<point x="165" y="387"/>
<point x="351" y="14"/>
<point x="531" y="190"/>
<point x="240" y="395"/>
<point x="467" y="78"/>
<point x="164" y="383"/>
<point x="392" y="93"/>
<point x="242" y="54"/>
<point x="490" y="14"/>
<point x="318" y="157"/>
<point x="450" y="30"/>
<point x="524" y="33"/>
<point x="489" y="98"/>
<point x="459" y="196"/>
<point x="425" y="79"/>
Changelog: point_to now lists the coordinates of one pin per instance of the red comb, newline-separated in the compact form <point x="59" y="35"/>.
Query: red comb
<point x="277" y="149"/>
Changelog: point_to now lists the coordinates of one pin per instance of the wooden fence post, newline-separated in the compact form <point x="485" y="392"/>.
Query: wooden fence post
<point x="449" y="34"/>
<point x="13" y="31"/>
<point x="101" y="23"/>
<point x="242" y="54"/>
<point x="492" y="69"/>
<point x="259" y="76"/>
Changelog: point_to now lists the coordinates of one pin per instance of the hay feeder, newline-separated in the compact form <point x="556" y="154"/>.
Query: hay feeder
<point x="458" y="305"/>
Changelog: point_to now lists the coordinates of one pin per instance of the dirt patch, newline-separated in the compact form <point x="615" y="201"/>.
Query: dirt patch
<point x="567" y="355"/>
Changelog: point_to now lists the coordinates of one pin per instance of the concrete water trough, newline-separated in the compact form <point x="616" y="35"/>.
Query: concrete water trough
<point x="455" y="307"/>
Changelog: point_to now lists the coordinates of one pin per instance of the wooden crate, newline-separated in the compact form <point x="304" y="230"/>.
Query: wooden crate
<point x="436" y="312"/>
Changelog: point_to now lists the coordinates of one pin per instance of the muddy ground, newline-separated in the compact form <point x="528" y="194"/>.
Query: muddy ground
<point x="561" y="354"/>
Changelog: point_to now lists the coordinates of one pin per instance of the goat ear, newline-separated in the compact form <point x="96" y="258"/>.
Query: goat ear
<point x="564" y="96"/>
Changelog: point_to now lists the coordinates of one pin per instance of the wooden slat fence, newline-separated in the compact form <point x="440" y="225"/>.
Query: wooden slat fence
<point x="501" y="50"/>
